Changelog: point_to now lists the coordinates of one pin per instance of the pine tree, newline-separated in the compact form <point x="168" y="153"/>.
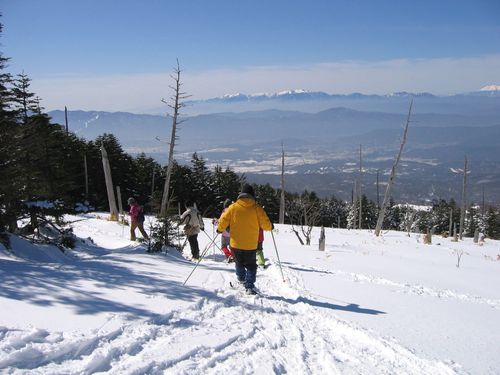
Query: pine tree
<point x="333" y="212"/>
<point x="493" y="223"/>
<point x="202" y="187"/>
<point x="146" y="172"/>
<point x="226" y="185"/>
<point x="268" y="198"/>
<point x="25" y="101"/>
<point x="9" y="165"/>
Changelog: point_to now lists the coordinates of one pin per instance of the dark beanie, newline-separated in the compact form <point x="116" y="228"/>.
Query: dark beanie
<point x="248" y="189"/>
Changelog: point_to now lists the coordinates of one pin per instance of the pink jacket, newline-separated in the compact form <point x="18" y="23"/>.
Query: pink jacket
<point x="134" y="211"/>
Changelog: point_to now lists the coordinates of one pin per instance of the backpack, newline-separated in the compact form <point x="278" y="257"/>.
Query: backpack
<point x="193" y="220"/>
<point x="140" y="215"/>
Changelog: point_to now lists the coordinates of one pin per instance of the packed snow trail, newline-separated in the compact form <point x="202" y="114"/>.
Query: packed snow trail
<point x="280" y="332"/>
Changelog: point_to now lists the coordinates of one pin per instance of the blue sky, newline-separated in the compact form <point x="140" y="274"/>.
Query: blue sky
<point x="127" y="48"/>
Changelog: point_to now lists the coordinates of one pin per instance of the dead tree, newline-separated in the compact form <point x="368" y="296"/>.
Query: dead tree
<point x="176" y="107"/>
<point x="322" y="239"/>
<point x="113" y="210"/>
<point x="392" y="176"/>
<point x="463" y="207"/>
<point x="282" y="194"/>
<point x="450" y="228"/>
<point x="360" y="193"/>
<point x="305" y="213"/>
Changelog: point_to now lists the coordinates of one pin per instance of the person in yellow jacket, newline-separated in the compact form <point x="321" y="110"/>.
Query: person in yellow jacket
<point x="245" y="217"/>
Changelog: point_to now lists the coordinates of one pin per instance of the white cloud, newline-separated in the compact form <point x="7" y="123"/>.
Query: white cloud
<point x="143" y="92"/>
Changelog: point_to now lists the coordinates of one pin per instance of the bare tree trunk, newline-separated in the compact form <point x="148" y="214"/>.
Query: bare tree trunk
<point x="462" y="209"/>
<point x="298" y="235"/>
<point x="428" y="237"/>
<point x="178" y="96"/>
<point x="355" y="205"/>
<point x="282" y="196"/>
<point x="153" y="183"/>
<point x="66" y="119"/>
<point x="451" y="223"/>
<point x="109" y="185"/>
<point x="119" y="196"/>
<point x="476" y="235"/>
<point x="455" y="235"/>
<point x="322" y="239"/>
<point x="409" y="223"/>
<point x="392" y="176"/>
<point x="360" y="192"/>
<point x="378" y="194"/>
<point x="86" y="176"/>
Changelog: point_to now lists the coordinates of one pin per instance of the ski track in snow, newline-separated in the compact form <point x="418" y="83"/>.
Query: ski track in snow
<point x="406" y="287"/>
<point x="279" y="332"/>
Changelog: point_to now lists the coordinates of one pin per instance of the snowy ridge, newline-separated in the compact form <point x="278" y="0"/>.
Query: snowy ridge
<point x="490" y="88"/>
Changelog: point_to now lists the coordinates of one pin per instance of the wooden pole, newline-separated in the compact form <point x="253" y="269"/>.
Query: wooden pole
<point x="282" y="196"/>
<point x="113" y="210"/>
<point x="450" y="228"/>
<point x="378" y="195"/>
<point x="322" y="239"/>
<point x="86" y="176"/>
<point x="462" y="209"/>
<point x="360" y="192"/>
<point x="119" y="196"/>
<point x="66" y="119"/>
<point x="153" y="183"/>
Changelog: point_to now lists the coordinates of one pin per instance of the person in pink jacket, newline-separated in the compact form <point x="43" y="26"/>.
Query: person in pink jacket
<point x="136" y="213"/>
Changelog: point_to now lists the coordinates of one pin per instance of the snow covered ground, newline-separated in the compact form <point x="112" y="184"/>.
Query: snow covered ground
<point x="366" y="305"/>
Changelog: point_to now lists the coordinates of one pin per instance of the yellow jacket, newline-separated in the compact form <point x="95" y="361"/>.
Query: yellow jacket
<point x="244" y="218"/>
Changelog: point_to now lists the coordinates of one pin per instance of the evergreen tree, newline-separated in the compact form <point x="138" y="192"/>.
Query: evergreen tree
<point x="471" y="221"/>
<point x="369" y="213"/>
<point x="226" y="185"/>
<point x="202" y="185"/>
<point x="268" y="198"/>
<point x="333" y="212"/>
<point x="181" y="183"/>
<point x="25" y="101"/>
<point x="10" y="171"/>
<point x="144" y="168"/>
<point x="493" y="223"/>
<point x="393" y="216"/>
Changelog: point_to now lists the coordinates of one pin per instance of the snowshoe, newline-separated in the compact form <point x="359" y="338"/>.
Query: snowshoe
<point x="250" y="291"/>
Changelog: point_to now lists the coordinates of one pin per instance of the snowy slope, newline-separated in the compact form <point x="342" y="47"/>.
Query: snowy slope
<point x="364" y="306"/>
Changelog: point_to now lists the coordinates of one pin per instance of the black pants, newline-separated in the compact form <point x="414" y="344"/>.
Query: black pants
<point x="246" y="266"/>
<point x="193" y="243"/>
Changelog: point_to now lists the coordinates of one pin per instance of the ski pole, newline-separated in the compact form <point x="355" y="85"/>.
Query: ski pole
<point x="199" y="260"/>
<point x="217" y="246"/>
<point x="279" y="262"/>
<point x="184" y="244"/>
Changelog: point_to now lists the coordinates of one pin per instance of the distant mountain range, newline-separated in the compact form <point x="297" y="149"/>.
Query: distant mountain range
<point x="322" y="147"/>
<point x="491" y="90"/>
<point x="484" y="101"/>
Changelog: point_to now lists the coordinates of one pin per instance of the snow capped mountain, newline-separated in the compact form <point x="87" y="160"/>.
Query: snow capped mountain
<point x="285" y="95"/>
<point x="301" y="94"/>
<point x="405" y="94"/>
<point x="490" y="88"/>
